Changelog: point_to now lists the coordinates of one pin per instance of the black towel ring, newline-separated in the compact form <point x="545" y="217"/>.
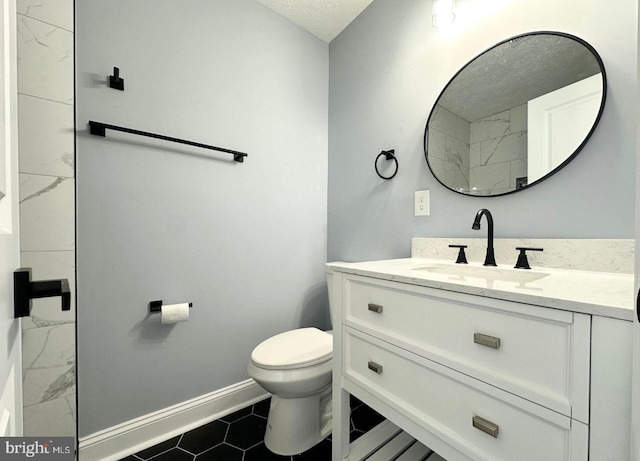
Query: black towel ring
<point x="390" y="155"/>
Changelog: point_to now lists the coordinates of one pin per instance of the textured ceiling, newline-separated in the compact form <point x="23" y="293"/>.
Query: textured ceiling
<point x="516" y="72"/>
<point x="323" y="18"/>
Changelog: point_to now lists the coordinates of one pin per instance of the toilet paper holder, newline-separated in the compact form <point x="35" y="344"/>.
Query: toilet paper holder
<point x="156" y="306"/>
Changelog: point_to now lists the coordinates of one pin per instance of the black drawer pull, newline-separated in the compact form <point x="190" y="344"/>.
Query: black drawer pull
<point x="377" y="308"/>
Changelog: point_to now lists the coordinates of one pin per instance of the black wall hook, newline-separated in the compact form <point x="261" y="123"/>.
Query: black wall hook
<point x="389" y="155"/>
<point x="24" y="290"/>
<point x="115" y="81"/>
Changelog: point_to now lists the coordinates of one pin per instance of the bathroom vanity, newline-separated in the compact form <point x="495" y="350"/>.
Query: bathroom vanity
<point x="485" y="363"/>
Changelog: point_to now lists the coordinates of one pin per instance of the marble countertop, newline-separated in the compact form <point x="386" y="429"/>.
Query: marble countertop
<point x="597" y="293"/>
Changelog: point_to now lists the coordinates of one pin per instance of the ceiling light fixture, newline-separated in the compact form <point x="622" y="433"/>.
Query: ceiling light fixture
<point x="442" y="13"/>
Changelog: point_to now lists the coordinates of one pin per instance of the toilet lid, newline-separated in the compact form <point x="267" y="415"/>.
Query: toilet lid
<point x="294" y="349"/>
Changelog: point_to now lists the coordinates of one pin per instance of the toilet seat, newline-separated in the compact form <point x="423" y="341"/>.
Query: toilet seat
<point x="299" y="348"/>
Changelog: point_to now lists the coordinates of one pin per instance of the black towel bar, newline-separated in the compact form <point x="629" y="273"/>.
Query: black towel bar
<point x="99" y="129"/>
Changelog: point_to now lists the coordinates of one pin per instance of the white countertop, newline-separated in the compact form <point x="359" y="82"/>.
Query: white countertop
<point x="597" y="293"/>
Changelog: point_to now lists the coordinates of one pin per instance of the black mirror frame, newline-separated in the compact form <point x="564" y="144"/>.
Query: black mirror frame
<point x="570" y="157"/>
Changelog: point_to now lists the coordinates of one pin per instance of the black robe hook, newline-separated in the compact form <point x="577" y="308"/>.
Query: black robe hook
<point x="115" y="81"/>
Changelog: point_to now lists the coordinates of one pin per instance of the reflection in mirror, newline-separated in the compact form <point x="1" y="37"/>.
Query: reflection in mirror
<point x="515" y="114"/>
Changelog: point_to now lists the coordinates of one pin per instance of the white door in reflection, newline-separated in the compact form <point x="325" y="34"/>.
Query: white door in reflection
<point x="558" y="123"/>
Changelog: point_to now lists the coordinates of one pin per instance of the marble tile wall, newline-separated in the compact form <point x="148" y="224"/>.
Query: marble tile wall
<point x="47" y="209"/>
<point x="448" y="146"/>
<point x="498" y="151"/>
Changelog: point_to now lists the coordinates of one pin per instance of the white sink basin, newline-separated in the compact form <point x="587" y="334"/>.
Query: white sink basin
<point x="483" y="272"/>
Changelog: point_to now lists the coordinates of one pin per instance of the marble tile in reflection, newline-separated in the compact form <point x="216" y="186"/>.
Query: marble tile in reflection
<point x="437" y="144"/>
<point x="493" y="126"/>
<point x="444" y="121"/>
<point x="518" y="170"/>
<point x="518" y="119"/>
<point x="490" y="177"/>
<point x="457" y="152"/>
<point x="498" y="150"/>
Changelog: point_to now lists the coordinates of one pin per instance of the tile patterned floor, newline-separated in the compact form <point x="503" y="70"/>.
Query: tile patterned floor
<point x="239" y="437"/>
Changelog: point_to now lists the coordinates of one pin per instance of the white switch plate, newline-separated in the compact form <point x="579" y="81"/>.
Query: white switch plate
<point x="421" y="203"/>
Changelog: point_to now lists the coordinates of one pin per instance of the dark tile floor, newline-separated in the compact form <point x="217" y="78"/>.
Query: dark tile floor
<point x="239" y="437"/>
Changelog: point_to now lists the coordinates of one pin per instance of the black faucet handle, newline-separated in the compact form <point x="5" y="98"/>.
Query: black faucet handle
<point x="462" y="257"/>
<point x="523" y="262"/>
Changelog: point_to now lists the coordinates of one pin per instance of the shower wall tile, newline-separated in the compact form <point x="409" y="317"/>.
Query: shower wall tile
<point x="518" y="170"/>
<point x="56" y="12"/>
<point x="518" y="119"/>
<point x="46" y="148"/>
<point x="443" y="120"/>
<point x="45" y="60"/>
<point x="56" y="418"/>
<point x="451" y="174"/>
<point x="463" y="130"/>
<point x="47" y="265"/>
<point x="493" y="126"/>
<point x="490" y="178"/>
<point x="46" y="137"/>
<point x="448" y="148"/>
<point x="457" y="152"/>
<point x="47" y="216"/>
<point x="48" y="356"/>
<point x="497" y="150"/>
<point x="437" y="144"/>
<point x="450" y="124"/>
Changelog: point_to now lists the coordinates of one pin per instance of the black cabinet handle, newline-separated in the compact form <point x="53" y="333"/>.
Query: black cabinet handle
<point x="24" y="290"/>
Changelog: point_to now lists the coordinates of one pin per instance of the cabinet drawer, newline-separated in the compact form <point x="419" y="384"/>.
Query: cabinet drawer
<point x="538" y="353"/>
<point x="480" y="421"/>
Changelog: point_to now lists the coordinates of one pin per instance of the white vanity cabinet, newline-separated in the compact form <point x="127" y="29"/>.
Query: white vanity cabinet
<point x="473" y="378"/>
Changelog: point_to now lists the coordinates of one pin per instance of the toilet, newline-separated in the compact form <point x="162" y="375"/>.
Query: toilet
<point x="295" y="367"/>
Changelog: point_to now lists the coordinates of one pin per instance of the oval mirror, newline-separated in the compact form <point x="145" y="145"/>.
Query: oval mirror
<point x="515" y="114"/>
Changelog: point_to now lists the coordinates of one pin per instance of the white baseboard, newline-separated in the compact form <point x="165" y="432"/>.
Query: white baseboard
<point x="132" y="436"/>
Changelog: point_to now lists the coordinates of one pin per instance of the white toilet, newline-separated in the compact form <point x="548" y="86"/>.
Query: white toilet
<point x="295" y="367"/>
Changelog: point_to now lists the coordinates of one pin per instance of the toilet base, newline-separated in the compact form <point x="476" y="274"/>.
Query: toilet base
<point x="296" y="424"/>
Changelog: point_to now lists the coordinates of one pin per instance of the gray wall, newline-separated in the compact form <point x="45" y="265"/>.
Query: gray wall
<point x="246" y="243"/>
<point x="386" y="71"/>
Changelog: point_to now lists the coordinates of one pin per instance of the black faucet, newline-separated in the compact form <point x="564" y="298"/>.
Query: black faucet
<point x="490" y="259"/>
